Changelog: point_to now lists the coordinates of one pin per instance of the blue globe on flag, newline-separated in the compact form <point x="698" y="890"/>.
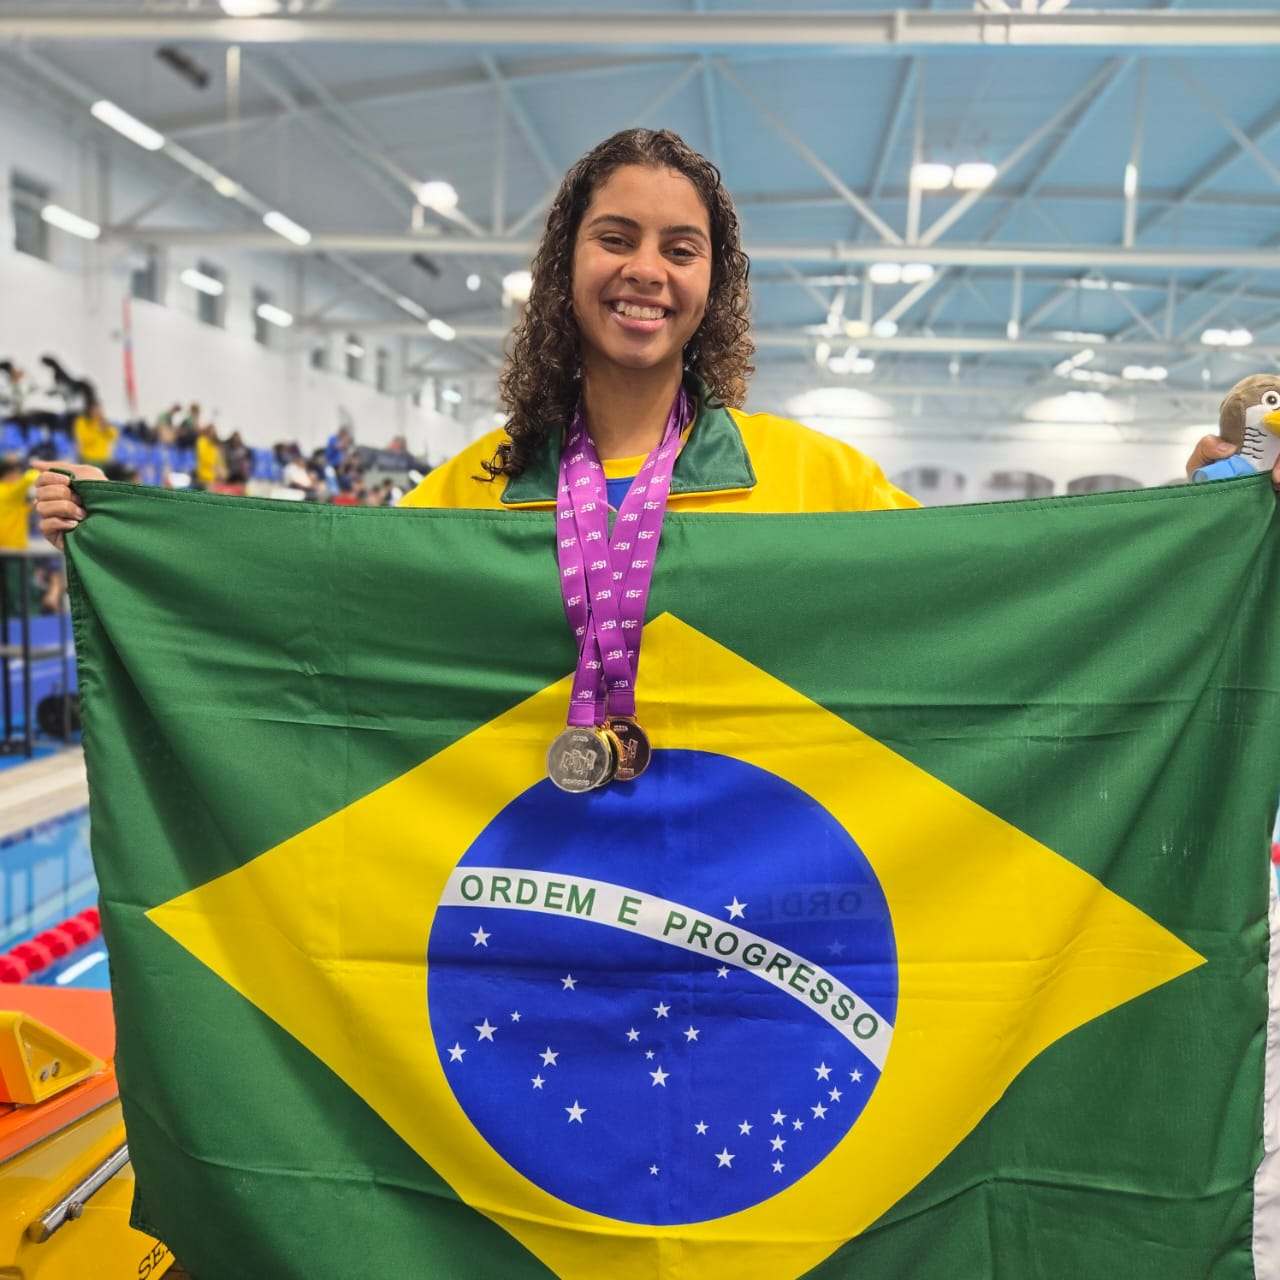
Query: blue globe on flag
<point x="667" y="1000"/>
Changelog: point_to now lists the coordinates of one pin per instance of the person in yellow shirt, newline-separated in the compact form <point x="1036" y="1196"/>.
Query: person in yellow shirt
<point x="209" y="467"/>
<point x="95" y="436"/>
<point x="15" y="519"/>
<point x="640" y="287"/>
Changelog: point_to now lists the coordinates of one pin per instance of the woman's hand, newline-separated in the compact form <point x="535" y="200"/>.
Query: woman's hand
<point x="1213" y="449"/>
<point x="56" y="503"/>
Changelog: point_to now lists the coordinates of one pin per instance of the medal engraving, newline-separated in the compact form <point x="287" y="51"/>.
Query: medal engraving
<point x="579" y="759"/>
<point x="634" y="752"/>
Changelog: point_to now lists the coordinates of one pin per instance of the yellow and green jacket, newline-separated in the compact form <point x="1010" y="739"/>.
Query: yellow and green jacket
<point x="732" y="461"/>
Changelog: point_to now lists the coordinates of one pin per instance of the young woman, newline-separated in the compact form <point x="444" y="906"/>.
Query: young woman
<point x="640" y="289"/>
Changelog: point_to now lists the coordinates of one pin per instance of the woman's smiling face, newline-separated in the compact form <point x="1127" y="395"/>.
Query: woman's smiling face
<point x="641" y="269"/>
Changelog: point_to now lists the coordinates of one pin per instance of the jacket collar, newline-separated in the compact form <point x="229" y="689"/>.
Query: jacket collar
<point x="713" y="460"/>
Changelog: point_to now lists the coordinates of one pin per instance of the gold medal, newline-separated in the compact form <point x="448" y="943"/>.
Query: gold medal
<point x="634" y="752"/>
<point x="580" y="759"/>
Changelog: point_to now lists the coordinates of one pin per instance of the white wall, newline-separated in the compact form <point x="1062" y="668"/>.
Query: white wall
<point x="71" y="307"/>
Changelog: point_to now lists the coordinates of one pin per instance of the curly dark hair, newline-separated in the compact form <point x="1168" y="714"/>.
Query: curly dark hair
<point x="539" y="385"/>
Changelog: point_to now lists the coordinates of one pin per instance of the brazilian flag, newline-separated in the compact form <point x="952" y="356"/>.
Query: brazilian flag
<point x="934" y="942"/>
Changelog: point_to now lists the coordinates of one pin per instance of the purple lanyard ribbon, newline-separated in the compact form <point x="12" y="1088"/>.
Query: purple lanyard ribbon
<point x="605" y="580"/>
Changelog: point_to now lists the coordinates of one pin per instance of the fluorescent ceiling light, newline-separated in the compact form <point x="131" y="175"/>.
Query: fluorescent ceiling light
<point x="1066" y="368"/>
<point x="885" y="272"/>
<point x="1130" y="181"/>
<point x="856" y="328"/>
<point x="194" y="279"/>
<point x="224" y="186"/>
<point x="1078" y="335"/>
<point x="452" y="395"/>
<point x="56" y="216"/>
<point x="929" y="176"/>
<point x="440" y="196"/>
<point x="862" y="364"/>
<point x="884" y="328"/>
<point x="354" y="350"/>
<point x="1012" y="330"/>
<point x="1226" y="337"/>
<point x="123" y="123"/>
<point x="822" y="352"/>
<point x="286" y="227"/>
<point x="442" y="329"/>
<point x="408" y="304"/>
<point x="975" y="175"/>
<point x="249" y="8"/>
<point x="517" y="285"/>
<point x="917" y="272"/>
<point x="473" y="283"/>
<point x="1144" y="373"/>
<point x="275" y="315"/>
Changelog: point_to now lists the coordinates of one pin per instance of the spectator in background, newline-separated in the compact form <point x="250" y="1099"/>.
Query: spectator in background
<point x="209" y="465"/>
<point x="338" y="447"/>
<point x="95" y="436"/>
<point x="167" y="424"/>
<point x="295" y="473"/>
<point x="15" y="393"/>
<point x="237" y="458"/>
<point x="15" y="520"/>
<point x="188" y="429"/>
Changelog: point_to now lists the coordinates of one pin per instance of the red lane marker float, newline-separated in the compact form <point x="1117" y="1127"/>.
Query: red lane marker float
<point x="41" y="951"/>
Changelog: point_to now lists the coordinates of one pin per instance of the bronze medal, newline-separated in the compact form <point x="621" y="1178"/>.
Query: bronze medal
<point x="634" y="750"/>
<point x="580" y="759"/>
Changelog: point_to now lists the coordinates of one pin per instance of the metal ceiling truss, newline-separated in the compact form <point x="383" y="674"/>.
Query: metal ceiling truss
<point x="890" y="31"/>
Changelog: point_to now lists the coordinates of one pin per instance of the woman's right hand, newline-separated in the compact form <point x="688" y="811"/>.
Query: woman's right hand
<point x="56" y="503"/>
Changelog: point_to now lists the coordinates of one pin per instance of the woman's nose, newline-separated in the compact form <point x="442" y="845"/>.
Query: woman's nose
<point x="646" y="265"/>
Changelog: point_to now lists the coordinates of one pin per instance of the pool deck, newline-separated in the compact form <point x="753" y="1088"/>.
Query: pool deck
<point x="43" y="789"/>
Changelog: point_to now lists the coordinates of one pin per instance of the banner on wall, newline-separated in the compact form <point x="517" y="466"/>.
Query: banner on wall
<point x="934" y="941"/>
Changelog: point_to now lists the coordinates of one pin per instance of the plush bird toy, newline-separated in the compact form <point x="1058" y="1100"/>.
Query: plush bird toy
<point x="1248" y="418"/>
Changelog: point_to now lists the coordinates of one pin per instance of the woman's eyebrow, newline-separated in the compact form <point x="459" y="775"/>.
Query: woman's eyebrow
<point x="683" y="229"/>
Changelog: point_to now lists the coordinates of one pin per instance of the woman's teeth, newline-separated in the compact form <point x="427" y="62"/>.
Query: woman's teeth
<point x="633" y="312"/>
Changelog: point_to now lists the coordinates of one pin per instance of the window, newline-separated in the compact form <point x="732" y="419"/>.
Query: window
<point x="144" y="278"/>
<point x="261" y="327"/>
<point x="212" y="307"/>
<point x="355" y="357"/>
<point x="382" y="369"/>
<point x="30" y="231"/>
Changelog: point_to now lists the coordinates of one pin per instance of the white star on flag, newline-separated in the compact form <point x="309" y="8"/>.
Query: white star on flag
<point x="797" y="1123"/>
<point x="823" y="1071"/>
<point x="777" y="1166"/>
<point x="691" y="1034"/>
<point x="835" y="948"/>
<point x="661" y="1009"/>
<point x="725" y="1158"/>
<point x="653" y="1169"/>
<point x="778" y="1143"/>
<point x="648" y="1053"/>
<point x="538" y="1082"/>
<point x="735" y="908"/>
<point x="568" y="982"/>
<point x="855" y="1076"/>
<point x="700" y="1127"/>
<point x="481" y="938"/>
<point x="722" y="971"/>
<point x="633" y="1035"/>
<point x="515" y="1017"/>
<point x="778" y="1117"/>
<point x="745" y="1127"/>
<point x="819" y="1111"/>
<point x="659" y="1077"/>
<point x="455" y="1054"/>
<point x="549" y="1058"/>
<point x="576" y="1112"/>
<point x="835" y="1095"/>
<point x="486" y="1031"/>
